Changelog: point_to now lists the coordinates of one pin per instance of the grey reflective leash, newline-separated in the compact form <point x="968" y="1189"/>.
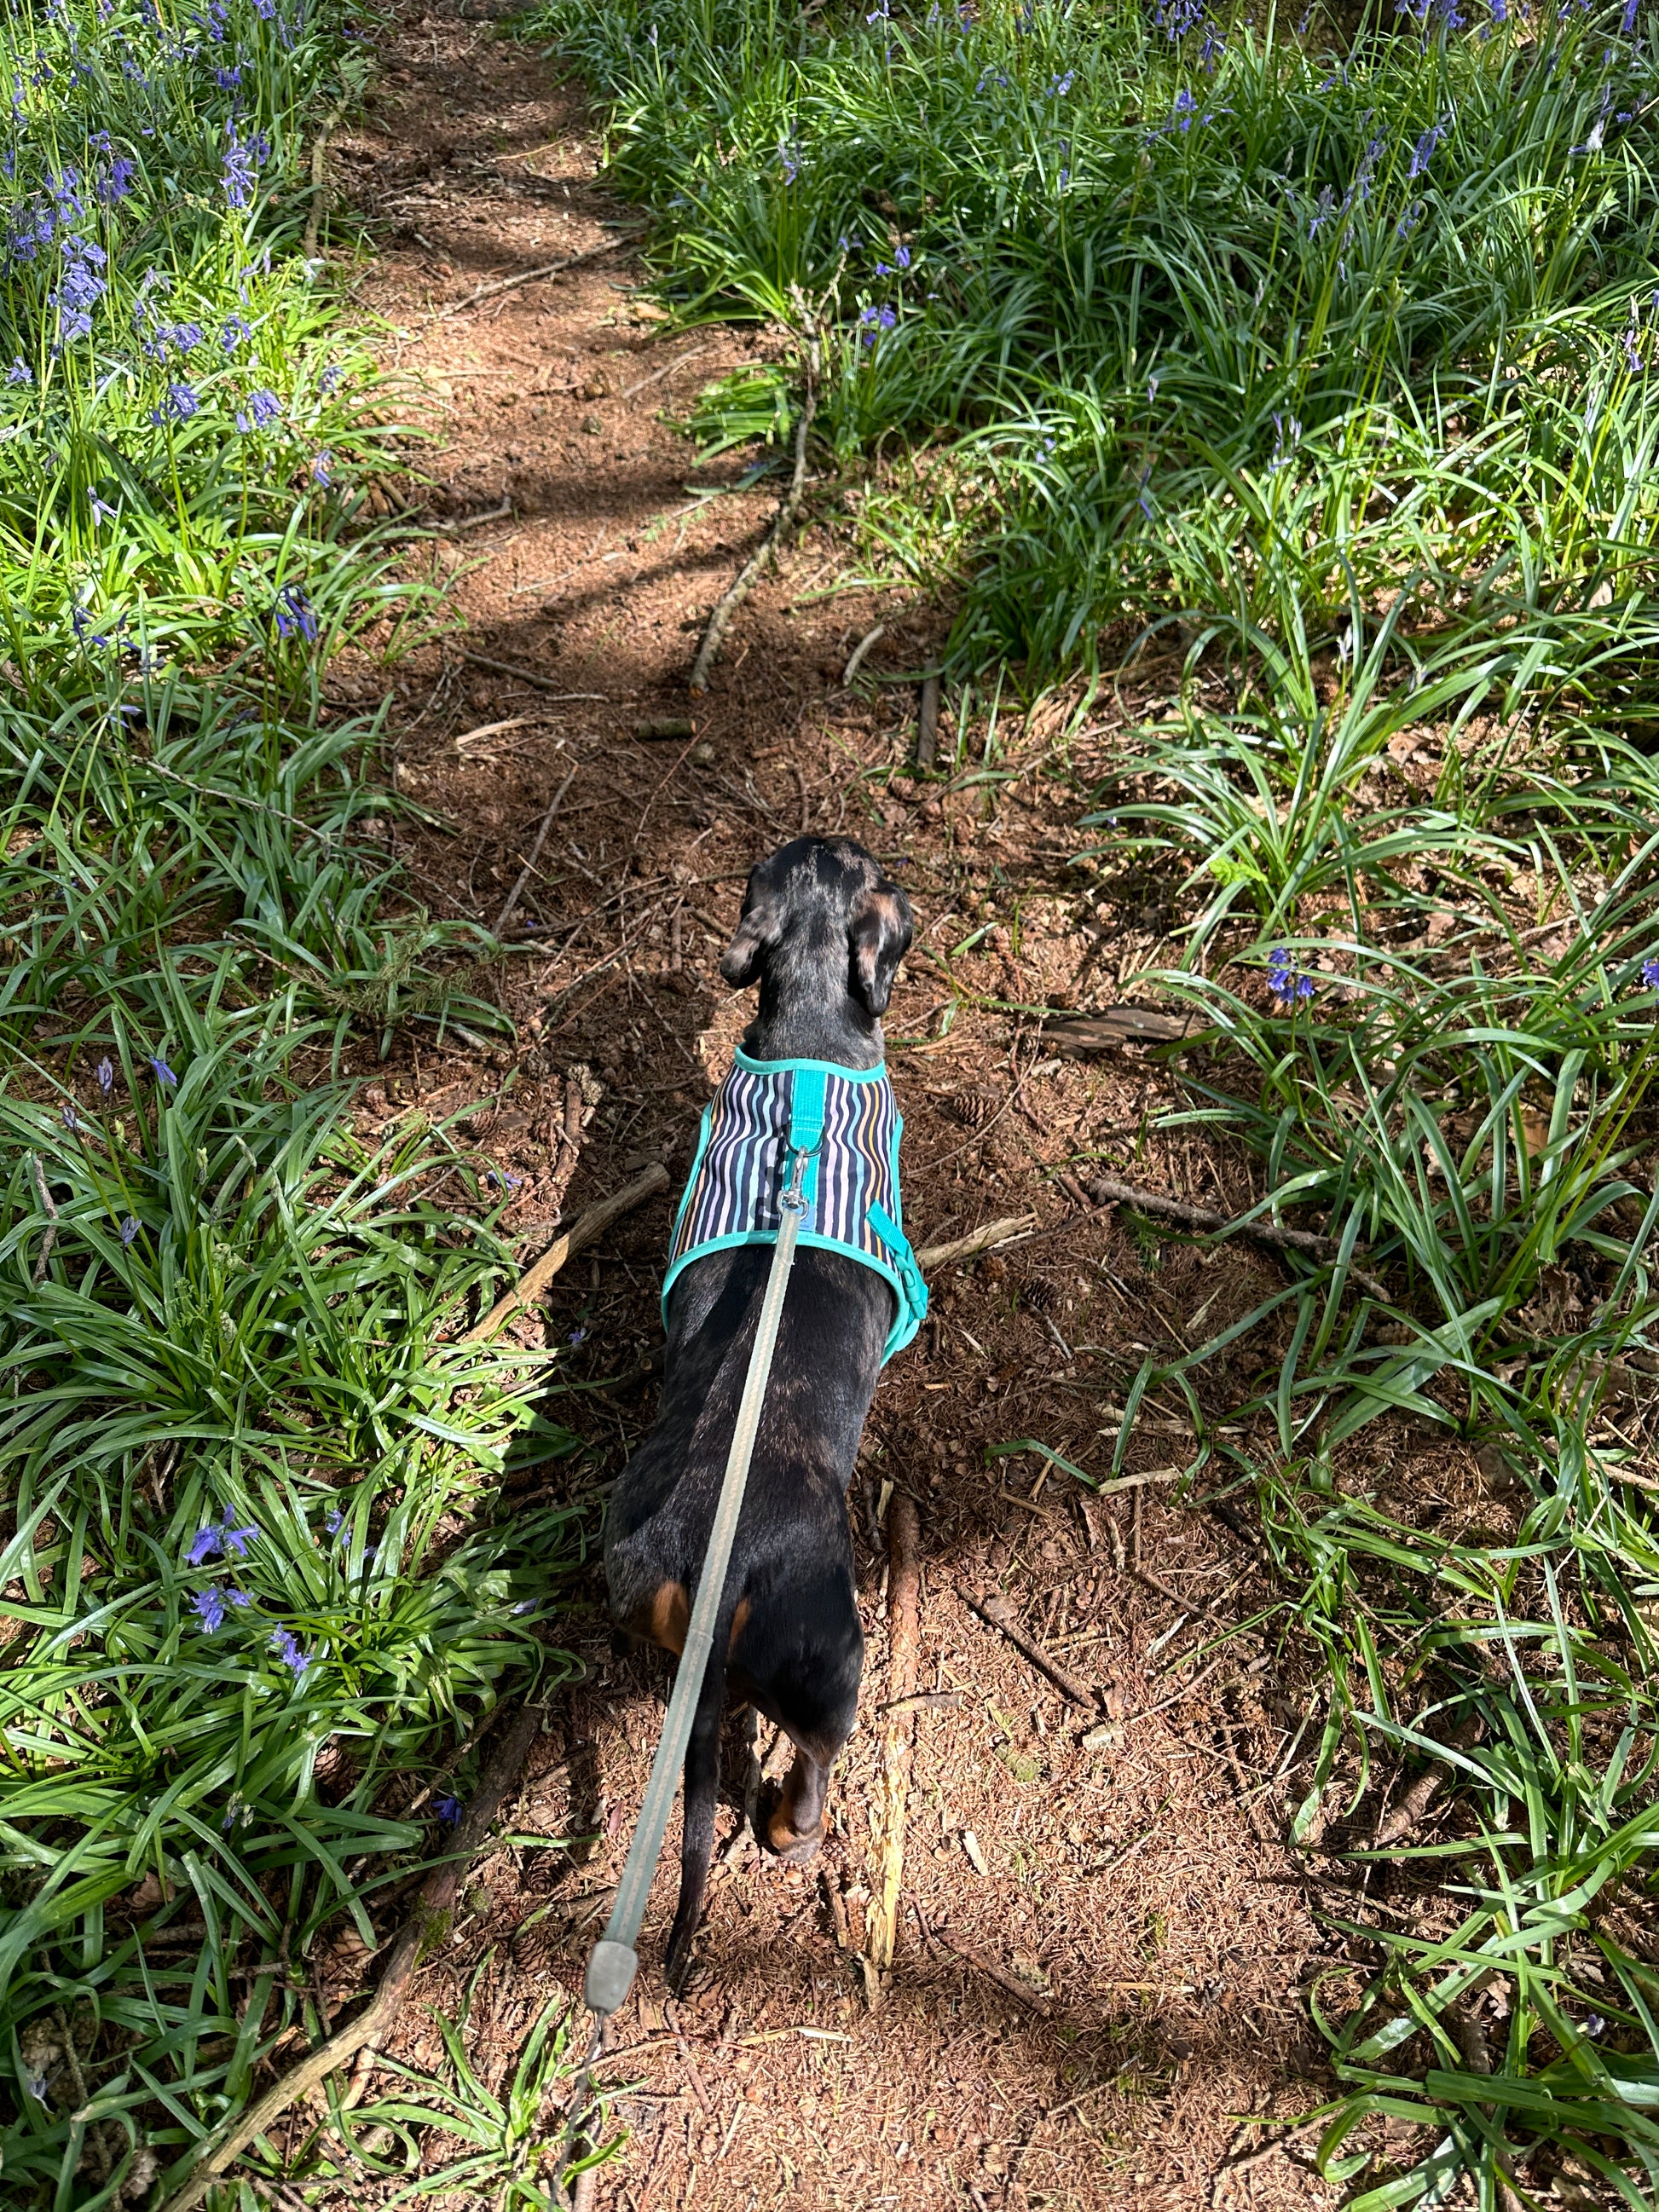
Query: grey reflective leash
<point x="614" y="1963"/>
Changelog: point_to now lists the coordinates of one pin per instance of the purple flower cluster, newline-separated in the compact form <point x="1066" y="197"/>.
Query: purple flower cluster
<point x="293" y="614"/>
<point x="873" y="320"/>
<point x="262" y="409"/>
<point x="225" y="1538"/>
<point x="241" y="165"/>
<point x="80" y="287"/>
<point x="1287" y="984"/>
<point x="210" y="1602"/>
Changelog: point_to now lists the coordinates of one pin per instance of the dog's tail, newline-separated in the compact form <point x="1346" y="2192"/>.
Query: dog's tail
<point x="701" y="1796"/>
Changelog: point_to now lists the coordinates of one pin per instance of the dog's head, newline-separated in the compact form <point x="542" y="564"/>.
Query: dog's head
<point x="820" y="922"/>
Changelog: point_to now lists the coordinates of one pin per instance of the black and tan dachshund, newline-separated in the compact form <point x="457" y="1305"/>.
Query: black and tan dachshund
<point x="823" y="931"/>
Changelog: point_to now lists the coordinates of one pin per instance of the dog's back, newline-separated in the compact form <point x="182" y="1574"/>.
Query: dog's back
<point x="788" y="1626"/>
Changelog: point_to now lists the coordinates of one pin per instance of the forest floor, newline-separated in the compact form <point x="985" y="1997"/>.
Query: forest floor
<point x="1105" y="1947"/>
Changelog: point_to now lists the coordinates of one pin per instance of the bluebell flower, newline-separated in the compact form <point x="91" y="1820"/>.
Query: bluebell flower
<point x="1423" y="152"/>
<point x="902" y="256"/>
<point x="206" y="1541"/>
<point x="1284" y="981"/>
<point x="181" y="403"/>
<point x="322" y="469"/>
<point x="1185" y="113"/>
<point x="330" y="380"/>
<point x="578" y="1336"/>
<point x="1651" y="974"/>
<point x="71" y="1120"/>
<point x="293" y="614"/>
<point x="20" y="372"/>
<point x="129" y="1230"/>
<point x="210" y="1604"/>
<point x="1062" y="85"/>
<point x="284" y="1644"/>
<point x="102" y="511"/>
<point x="236" y="331"/>
<point x="228" y="79"/>
<point x="789" y="163"/>
<point x="240" y="169"/>
<point x="1627" y="20"/>
<point x="236" y="1540"/>
<point x="334" y="1520"/>
<point x="448" y="1810"/>
<point x="264" y="408"/>
<point x="163" y="1072"/>
<point x="116" y="181"/>
<point x="105" y="1078"/>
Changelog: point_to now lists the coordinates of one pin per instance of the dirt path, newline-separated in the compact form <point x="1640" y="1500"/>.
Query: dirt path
<point x="1102" y="1952"/>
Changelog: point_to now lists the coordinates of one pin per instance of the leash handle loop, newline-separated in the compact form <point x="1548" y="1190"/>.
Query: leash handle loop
<point x="614" y="1962"/>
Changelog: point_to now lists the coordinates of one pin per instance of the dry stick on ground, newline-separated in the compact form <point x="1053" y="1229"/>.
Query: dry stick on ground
<point x="1108" y="1191"/>
<point x="532" y="277"/>
<point x="547" y="683"/>
<point x="788" y="512"/>
<point x="903" y="1629"/>
<point x="927" y="725"/>
<point x="590" y="1225"/>
<point x="872" y="637"/>
<point x="426" y="1927"/>
<point x="1414" y="1805"/>
<point x="319" y="182"/>
<point x="529" y="867"/>
<point x="43" y="1258"/>
<point x="976" y="1240"/>
<point x="997" y="1612"/>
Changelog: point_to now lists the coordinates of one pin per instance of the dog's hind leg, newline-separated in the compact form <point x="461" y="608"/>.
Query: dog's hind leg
<point x="795" y="1827"/>
<point x="702" y="1796"/>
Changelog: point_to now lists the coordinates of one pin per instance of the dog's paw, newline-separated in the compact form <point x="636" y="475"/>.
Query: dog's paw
<point x="794" y="1846"/>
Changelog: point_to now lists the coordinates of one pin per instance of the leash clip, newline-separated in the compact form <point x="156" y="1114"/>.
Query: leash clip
<point x="794" y="1194"/>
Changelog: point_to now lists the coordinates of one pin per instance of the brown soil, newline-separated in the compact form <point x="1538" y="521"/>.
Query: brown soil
<point x="1104" y="1950"/>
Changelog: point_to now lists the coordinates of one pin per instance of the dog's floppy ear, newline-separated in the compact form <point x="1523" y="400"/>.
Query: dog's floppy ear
<point x="758" y="930"/>
<point x="879" y="935"/>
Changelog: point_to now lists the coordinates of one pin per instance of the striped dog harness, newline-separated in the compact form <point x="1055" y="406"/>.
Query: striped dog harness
<point x="848" y="1122"/>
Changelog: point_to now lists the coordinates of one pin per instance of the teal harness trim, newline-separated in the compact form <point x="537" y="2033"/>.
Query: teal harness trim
<point x="846" y="1121"/>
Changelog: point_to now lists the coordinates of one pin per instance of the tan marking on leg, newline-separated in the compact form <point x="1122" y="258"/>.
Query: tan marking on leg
<point x="738" y="1621"/>
<point x="670" y="1617"/>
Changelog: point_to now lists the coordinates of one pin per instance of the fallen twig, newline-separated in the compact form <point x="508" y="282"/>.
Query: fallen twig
<point x="529" y="867"/>
<point x="928" y="723"/>
<point x="872" y="637"/>
<point x="43" y="1259"/>
<point x="1414" y="1805"/>
<point x="1000" y="1975"/>
<point x="533" y="275"/>
<point x="976" y="1240"/>
<point x="547" y="683"/>
<point x="475" y="521"/>
<point x="903" y="1611"/>
<point x="319" y="182"/>
<point x="583" y="1232"/>
<point x="1106" y="1190"/>
<point x="788" y="511"/>
<point x="997" y="1612"/>
<point x="426" y="1926"/>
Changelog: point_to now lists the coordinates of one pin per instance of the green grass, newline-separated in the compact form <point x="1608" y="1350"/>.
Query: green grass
<point x="1181" y="319"/>
<point x="252" y="1593"/>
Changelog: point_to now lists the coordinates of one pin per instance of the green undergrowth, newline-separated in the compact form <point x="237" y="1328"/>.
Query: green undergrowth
<point x="1171" y="306"/>
<point x="254" y="1599"/>
<point x="1419" y="937"/>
